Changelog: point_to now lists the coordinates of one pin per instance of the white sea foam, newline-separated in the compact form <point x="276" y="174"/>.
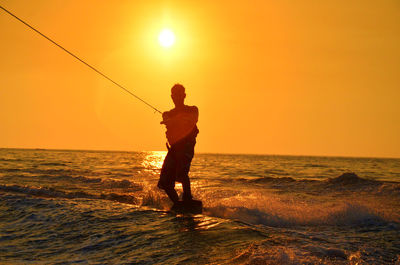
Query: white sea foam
<point x="284" y="210"/>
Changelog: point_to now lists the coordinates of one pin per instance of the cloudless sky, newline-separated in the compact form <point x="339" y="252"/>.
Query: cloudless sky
<point x="270" y="77"/>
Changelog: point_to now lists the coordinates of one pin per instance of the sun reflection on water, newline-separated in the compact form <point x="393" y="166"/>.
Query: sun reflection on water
<point x="154" y="161"/>
<point x="196" y="222"/>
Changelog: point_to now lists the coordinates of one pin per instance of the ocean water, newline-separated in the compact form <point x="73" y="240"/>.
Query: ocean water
<point x="97" y="207"/>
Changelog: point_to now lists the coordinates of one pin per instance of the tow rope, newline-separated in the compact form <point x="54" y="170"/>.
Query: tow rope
<point x="81" y="60"/>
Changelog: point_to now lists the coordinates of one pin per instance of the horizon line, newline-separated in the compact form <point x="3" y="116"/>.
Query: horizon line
<point x="211" y="153"/>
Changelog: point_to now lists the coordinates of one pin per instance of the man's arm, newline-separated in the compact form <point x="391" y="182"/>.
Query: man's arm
<point x="195" y="112"/>
<point x="189" y="116"/>
<point x="165" y="117"/>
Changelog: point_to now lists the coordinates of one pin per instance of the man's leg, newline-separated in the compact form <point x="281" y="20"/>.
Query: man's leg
<point x="187" y="193"/>
<point x="184" y="167"/>
<point x="167" y="177"/>
<point x="172" y="194"/>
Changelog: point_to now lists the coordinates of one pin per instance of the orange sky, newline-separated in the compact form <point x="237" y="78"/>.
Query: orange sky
<point x="271" y="77"/>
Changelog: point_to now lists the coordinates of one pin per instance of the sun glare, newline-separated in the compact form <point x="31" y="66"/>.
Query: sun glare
<point x="166" y="38"/>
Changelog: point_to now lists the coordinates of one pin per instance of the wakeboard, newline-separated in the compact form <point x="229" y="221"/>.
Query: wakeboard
<point x="187" y="207"/>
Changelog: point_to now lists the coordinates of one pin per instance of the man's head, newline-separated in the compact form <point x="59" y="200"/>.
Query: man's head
<point x="178" y="94"/>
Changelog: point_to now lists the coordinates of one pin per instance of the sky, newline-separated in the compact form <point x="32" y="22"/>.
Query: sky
<point x="269" y="77"/>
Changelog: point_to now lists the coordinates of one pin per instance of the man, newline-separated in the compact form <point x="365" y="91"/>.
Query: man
<point x="181" y="134"/>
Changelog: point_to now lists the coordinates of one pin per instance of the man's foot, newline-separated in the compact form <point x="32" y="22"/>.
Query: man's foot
<point x="192" y="206"/>
<point x="178" y="206"/>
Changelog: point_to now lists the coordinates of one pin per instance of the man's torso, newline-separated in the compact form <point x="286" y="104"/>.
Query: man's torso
<point x="181" y="124"/>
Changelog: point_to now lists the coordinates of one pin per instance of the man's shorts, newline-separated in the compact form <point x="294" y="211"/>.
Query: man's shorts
<point x="176" y="164"/>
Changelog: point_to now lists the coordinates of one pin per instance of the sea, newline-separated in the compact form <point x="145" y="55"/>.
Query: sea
<point x="104" y="207"/>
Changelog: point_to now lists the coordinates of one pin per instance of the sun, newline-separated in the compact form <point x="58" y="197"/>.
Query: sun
<point x="166" y="38"/>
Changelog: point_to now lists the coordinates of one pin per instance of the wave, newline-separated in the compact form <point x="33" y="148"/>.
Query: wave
<point x="14" y="159"/>
<point x="349" y="180"/>
<point x="316" y="165"/>
<point x="270" y="180"/>
<point x="347" y="214"/>
<point x="45" y="192"/>
<point x="263" y="253"/>
<point x="248" y="206"/>
<point x="55" y="172"/>
<point x="278" y="213"/>
<point x="314" y="252"/>
<point x="344" y="179"/>
<point x="57" y="164"/>
<point x="11" y="170"/>
<point x="54" y="193"/>
<point x="276" y="172"/>
<point x="108" y="183"/>
<point x="47" y="171"/>
<point x="345" y="200"/>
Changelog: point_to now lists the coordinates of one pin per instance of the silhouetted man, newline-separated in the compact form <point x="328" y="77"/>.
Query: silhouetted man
<point x="181" y="135"/>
